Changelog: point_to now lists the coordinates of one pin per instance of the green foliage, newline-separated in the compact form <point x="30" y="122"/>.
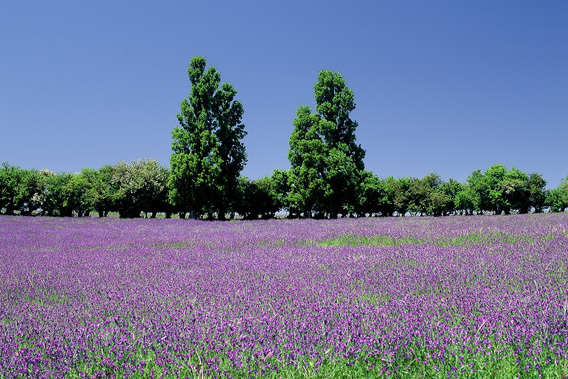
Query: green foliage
<point x="444" y="200"/>
<point x="77" y="191"/>
<point x="537" y="192"/>
<point x="28" y="190"/>
<point x="259" y="197"/>
<point x="498" y="202"/>
<point x="465" y="201"/>
<point x="326" y="163"/>
<point x="501" y="191"/>
<point x="390" y="190"/>
<point x="306" y="155"/>
<point x="56" y="195"/>
<point x="208" y="154"/>
<point x="99" y="190"/>
<point x="370" y="194"/>
<point x="126" y="188"/>
<point x="558" y="197"/>
<point x="139" y="187"/>
<point x="19" y="189"/>
<point x="421" y="193"/>
<point x="334" y="103"/>
<point x="402" y="195"/>
<point x="8" y="180"/>
<point x="516" y="190"/>
<point x="280" y="188"/>
<point x="232" y="152"/>
<point x="478" y="193"/>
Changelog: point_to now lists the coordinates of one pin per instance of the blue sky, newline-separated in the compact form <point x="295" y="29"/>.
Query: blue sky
<point x="440" y="86"/>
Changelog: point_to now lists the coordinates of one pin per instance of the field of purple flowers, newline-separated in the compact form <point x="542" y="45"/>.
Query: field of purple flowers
<point x="483" y="296"/>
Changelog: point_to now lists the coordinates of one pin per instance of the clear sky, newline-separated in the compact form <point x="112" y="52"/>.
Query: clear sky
<point x="440" y="86"/>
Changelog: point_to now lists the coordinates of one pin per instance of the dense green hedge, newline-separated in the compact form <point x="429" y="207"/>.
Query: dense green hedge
<point x="140" y="188"/>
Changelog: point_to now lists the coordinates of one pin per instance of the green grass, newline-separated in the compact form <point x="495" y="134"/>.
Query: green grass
<point x="182" y="244"/>
<point x="271" y="244"/>
<point x="175" y="245"/>
<point x="52" y="299"/>
<point x="418" y="363"/>
<point x="383" y="240"/>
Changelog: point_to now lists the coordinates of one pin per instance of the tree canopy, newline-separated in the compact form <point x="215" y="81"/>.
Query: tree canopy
<point x="326" y="163"/>
<point x="208" y="154"/>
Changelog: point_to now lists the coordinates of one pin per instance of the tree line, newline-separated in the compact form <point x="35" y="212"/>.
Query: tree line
<point x="140" y="188"/>
<point x="326" y="179"/>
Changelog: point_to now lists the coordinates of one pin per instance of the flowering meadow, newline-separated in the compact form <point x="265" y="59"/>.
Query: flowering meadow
<point x="469" y="297"/>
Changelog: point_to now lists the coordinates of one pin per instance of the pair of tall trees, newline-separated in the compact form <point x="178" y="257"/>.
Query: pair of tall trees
<point x="208" y="154"/>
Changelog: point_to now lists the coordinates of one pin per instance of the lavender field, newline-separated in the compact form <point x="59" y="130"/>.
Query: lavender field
<point x="471" y="297"/>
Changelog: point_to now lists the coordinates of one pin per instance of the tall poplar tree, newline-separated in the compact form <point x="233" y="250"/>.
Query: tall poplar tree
<point x="208" y="154"/>
<point x="306" y="155"/>
<point x="331" y="173"/>
<point x="229" y="132"/>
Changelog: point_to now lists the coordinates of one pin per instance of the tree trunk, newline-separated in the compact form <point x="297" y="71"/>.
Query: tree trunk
<point x="221" y="215"/>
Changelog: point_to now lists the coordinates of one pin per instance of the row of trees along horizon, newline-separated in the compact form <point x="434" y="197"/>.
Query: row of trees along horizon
<point x="327" y="176"/>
